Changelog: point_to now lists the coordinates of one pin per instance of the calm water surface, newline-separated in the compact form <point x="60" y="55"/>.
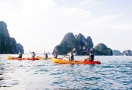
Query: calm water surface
<point x="114" y="73"/>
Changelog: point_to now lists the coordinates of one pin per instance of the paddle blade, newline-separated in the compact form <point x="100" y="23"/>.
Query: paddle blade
<point x="73" y="49"/>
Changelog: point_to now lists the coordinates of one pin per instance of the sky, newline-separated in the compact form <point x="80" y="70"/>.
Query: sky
<point x="40" y="25"/>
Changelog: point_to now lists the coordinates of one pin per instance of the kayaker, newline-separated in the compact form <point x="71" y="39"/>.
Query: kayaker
<point x="91" y="57"/>
<point x="33" y="54"/>
<point x="19" y="55"/>
<point x="45" y="55"/>
<point x="55" y="55"/>
<point x="71" y="56"/>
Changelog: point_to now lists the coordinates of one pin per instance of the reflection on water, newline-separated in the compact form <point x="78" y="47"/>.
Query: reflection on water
<point x="2" y="73"/>
<point x="113" y="73"/>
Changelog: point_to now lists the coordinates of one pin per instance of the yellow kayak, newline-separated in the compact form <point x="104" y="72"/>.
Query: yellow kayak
<point x="16" y="58"/>
<point x="41" y="58"/>
<point x="60" y="61"/>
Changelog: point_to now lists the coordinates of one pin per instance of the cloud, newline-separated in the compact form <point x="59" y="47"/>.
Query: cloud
<point x="43" y="21"/>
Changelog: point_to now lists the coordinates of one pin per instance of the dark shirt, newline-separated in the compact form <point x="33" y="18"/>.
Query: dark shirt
<point x="91" y="57"/>
<point x="71" y="58"/>
<point x="46" y="56"/>
<point x="55" y="56"/>
<point x="20" y="56"/>
<point x="33" y="55"/>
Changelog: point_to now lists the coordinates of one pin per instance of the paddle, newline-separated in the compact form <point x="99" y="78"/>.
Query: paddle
<point x="71" y="51"/>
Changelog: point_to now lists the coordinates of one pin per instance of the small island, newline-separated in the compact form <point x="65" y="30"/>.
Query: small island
<point x="81" y="44"/>
<point x="124" y="53"/>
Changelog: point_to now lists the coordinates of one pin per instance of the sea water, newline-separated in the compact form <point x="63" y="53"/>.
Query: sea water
<point x="114" y="73"/>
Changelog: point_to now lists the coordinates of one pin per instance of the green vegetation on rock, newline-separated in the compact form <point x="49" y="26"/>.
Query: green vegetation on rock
<point x="101" y="49"/>
<point x="81" y="44"/>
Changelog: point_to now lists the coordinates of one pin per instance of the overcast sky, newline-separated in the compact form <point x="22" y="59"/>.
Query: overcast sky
<point x="41" y="24"/>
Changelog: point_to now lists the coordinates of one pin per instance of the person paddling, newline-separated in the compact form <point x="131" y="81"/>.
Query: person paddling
<point x="33" y="54"/>
<point x="45" y="55"/>
<point x="55" y="55"/>
<point x="19" y="55"/>
<point x="71" y="56"/>
<point x="91" y="57"/>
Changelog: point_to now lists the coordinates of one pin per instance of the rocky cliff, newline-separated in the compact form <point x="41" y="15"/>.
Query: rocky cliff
<point x="19" y="48"/>
<point x="8" y="45"/>
<point x="79" y="42"/>
<point x="127" y="53"/>
<point x="102" y="49"/>
<point x="116" y="52"/>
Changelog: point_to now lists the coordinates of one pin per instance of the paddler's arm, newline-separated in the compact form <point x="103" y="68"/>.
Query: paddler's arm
<point x="86" y="59"/>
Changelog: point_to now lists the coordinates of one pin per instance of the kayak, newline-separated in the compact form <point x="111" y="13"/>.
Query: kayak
<point x="60" y="61"/>
<point x="15" y="58"/>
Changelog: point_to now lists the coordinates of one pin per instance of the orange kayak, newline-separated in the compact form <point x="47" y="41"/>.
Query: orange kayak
<point x="60" y="61"/>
